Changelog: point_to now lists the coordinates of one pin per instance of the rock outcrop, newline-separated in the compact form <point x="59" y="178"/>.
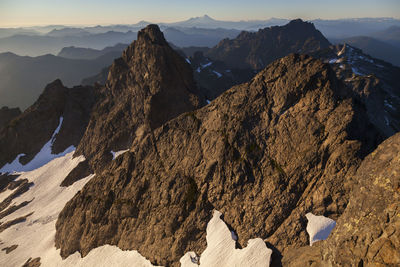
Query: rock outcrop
<point x="149" y="85"/>
<point x="257" y="50"/>
<point x="368" y="232"/>
<point x="7" y="114"/>
<point x="28" y="132"/>
<point x="264" y="153"/>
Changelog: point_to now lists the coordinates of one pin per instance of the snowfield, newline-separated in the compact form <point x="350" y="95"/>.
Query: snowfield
<point x="35" y="236"/>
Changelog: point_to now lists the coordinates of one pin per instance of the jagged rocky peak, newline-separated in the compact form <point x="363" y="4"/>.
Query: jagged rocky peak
<point x="153" y="34"/>
<point x="264" y="153"/>
<point x="149" y="85"/>
<point x="258" y="49"/>
<point x="36" y="125"/>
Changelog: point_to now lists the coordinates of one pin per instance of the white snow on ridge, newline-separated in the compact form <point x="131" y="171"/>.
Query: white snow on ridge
<point x="43" y="157"/>
<point x="319" y="227"/>
<point x="332" y="61"/>
<point x="206" y="65"/>
<point x="217" y="73"/>
<point x="221" y="249"/>
<point x="35" y="236"/>
<point x="356" y="71"/>
<point x="118" y="153"/>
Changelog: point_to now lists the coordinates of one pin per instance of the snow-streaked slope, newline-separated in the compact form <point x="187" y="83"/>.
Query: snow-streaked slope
<point x="221" y="249"/>
<point x="44" y="156"/>
<point x="6" y="194"/>
<point x="319" y="227"/>
<point x="35" y="236"/>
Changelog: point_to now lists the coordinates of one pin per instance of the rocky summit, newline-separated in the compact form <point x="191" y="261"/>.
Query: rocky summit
<point x="258" y="49"/>
<point x="149" y="85"/>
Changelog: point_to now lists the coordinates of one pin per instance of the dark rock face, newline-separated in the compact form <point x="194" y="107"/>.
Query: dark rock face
<point x="367" y="234"/>
<point x="214" y="77"/>
<point x="257" y="50"/>
<point x="28" y="132"/>
<point x="7" y="114"/>
<point x="148" y="86"/>
<point x="263" y="153"/>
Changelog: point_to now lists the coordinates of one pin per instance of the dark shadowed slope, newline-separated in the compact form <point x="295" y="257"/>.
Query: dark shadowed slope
<point x="23" y="78"/>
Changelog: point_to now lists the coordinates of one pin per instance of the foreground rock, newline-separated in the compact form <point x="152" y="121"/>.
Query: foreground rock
<point x="367" y="234"/>
<point x="149" y="85"/>
<point x="263" y="153"/>
<point x="28" y="132"/>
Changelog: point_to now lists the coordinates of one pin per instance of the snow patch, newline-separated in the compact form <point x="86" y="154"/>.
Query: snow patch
<point x="217" y="73"/>
<point x="208" y="101"/>
<point x="198" y="69"/>
<point x="319" y="227"/>
<point x="43" y="157"/>
<point x="356" y="71"/>
<point x="118" y="153"/>
<point x="206" y="65"/>
<point x="188" y="61"/>
<point x="332" y="61"/>
<point x="387" y="121"/>
<point x="221" y="249"/>
<point x="387" y="104"/>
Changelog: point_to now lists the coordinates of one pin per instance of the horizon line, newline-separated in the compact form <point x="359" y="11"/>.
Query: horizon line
<point x="179" y="21"/>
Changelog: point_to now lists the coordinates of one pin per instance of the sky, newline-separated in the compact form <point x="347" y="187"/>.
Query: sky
<point x="92" y="12"/>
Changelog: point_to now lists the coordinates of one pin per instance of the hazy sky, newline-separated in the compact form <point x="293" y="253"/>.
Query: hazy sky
<point x="44" y="12"/>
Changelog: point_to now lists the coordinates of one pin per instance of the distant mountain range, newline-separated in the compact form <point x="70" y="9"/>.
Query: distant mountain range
<point x="23" y="78"/>
<point x="197" y="31"/>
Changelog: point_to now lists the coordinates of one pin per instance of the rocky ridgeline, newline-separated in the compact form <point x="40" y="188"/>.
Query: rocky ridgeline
<point x="29" y="131"/>
<point x="258" y="49"/>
